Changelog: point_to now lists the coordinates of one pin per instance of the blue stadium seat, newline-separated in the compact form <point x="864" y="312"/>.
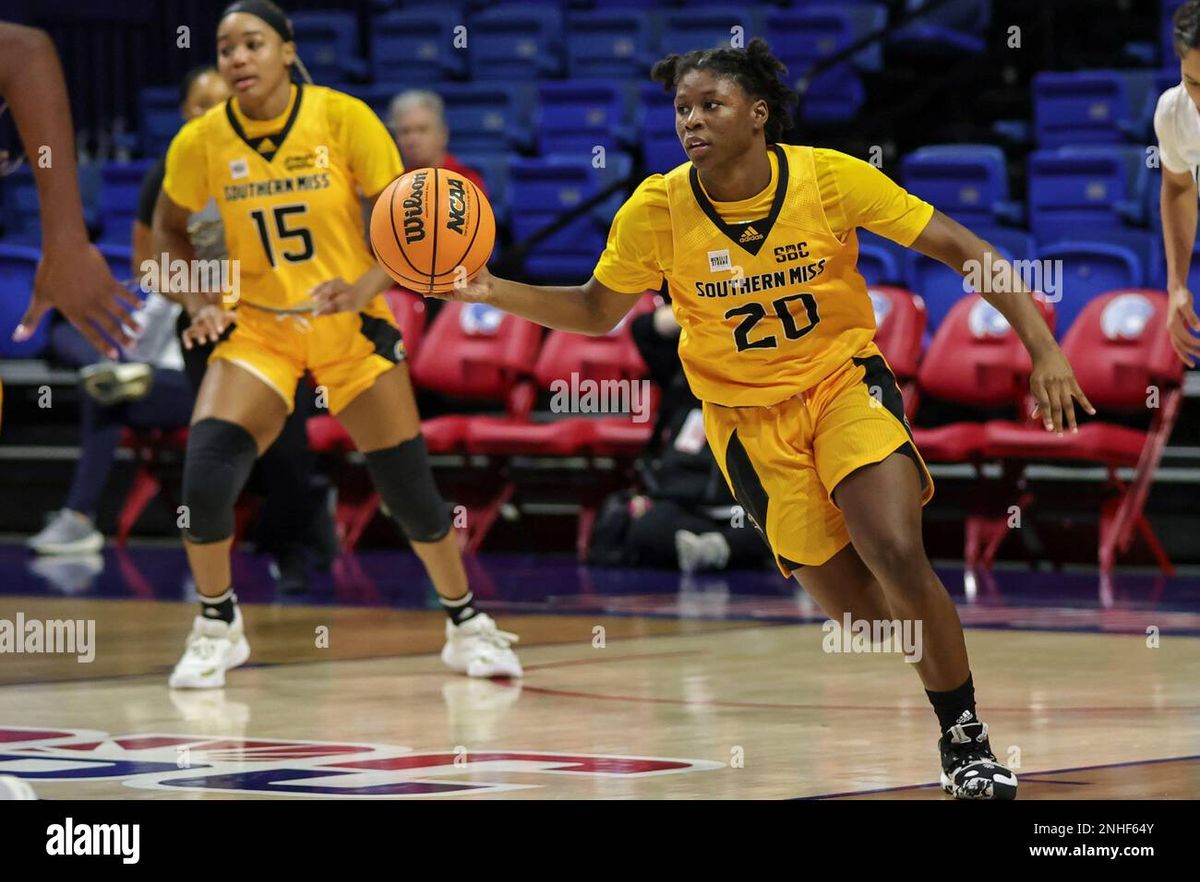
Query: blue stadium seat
<point x="22" y="222"/>
<point x="701" y="27"/>
<point x="120" y="184"/>
<point x="1089" y="268"/>
<point x="1013" y="244"/>
<point x="655" y="119"/>
<point x="575" y="116"/>
<point x="160" y="119"/>
<point x="1077" y="188"/>
<point x="1090" y="106"/>
<point x="18" y="265"/>
<point x="942" y="287"/>
<point x="119" y="256"/>
<point x="802" y="35"/>
<point x="607" y="43"/>
<point x="543" y="190"/>
<point x="494" y="168"/>
<point x="378" y="96"/>
<point x="417" y="46"/>
<point x="969" y="182"/>
<point x="955" y="28"/>
<point x="1146" y="245"/>
<point x="1162" y="80"/>
<point x="486" y="118"/>
<point x="877" y="265"/>
<point x="1167" y="58"/>
<point x="835" y="95"/>
<point x="327" y="43"/>
<point x="510" y="43"/>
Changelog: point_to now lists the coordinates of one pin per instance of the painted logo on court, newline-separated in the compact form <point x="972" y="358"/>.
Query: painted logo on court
<point x="298" y="768"/>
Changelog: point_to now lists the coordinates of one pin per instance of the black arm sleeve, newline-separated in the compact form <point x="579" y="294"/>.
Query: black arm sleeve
<point x="148" y="195"/>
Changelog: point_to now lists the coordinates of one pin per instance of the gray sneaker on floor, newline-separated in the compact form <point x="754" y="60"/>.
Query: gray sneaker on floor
<point x="68" y="532"/>
<point x="704" y="551"/>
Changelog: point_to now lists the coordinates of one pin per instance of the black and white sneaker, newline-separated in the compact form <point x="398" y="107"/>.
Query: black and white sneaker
<point x="969" y="768"/>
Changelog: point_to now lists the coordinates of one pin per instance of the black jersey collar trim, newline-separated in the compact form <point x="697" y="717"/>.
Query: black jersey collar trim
<point x="272" y="141"/>
<point x="749" y="236"/>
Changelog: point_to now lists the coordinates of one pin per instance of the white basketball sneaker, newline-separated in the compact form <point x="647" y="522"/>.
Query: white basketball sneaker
<point x="478" y="648"/>
<point x="213" y="648"/>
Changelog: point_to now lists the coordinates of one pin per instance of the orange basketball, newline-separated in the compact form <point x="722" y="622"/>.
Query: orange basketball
<point x="432" y="229"/>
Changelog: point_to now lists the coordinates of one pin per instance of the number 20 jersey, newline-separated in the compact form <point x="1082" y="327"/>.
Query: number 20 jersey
<point x="288" y="189"/>
<point x="770" y="306"/>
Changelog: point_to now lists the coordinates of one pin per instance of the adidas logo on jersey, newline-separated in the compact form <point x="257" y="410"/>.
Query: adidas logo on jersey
<point x="749" y="235"/>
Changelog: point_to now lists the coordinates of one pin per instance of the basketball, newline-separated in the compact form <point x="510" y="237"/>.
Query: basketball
<point x="432" y="229"/>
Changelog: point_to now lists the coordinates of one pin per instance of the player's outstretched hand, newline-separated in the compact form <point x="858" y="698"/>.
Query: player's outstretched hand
<point x="1183" y="325"/>
<point x="338" y="295"/>
<point x="477" y="289"/>
<point x="207" y="326"/>
<point x="78" y="283"/>
<point x="1056" y="390"/>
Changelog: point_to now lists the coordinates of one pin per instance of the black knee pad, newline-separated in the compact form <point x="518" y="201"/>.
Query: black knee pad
<point x="220" y="455"/>
<point x="404" y="479"/>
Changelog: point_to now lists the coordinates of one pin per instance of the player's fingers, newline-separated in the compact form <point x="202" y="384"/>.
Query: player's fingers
<point x="29" y="322"/>
<point x="329" y="286"/>
<point x="1056" y="413"/>
<point x="1067" y="403"/>
<point x="96" y="339"/>
<point x="1181" y="342"/>
<point x="110" y="325"/>
<point x="1189" y="315"/>
<point x="1184" y="357"/>
<point x="1077" y="394"/>
<point x="127" y="298"/>
<point x="1042" y="407"/>
<point x="1184" y="338"/>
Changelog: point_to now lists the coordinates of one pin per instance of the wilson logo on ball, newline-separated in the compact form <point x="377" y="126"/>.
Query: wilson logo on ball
<point x="414" y="207"/>
<point x="411" y="226"/>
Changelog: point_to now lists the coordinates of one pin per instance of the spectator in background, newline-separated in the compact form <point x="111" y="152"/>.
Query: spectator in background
<point x="1177" y="126"/>
<point x="153" y="393"/>
<point x="417" y="119"/>
<point x="151" y="389"/>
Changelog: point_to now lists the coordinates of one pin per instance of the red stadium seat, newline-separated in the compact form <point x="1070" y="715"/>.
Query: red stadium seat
<point x="1121" y="354"/>
<point x="411" y="314"/>
<point x="612" y="357"/>
<point x="900" y="320"/>
<point x="149" y="445"/>
<point x="472" y="351"/>
<point x="574" y="359"/>
<point x="976" y="360"/>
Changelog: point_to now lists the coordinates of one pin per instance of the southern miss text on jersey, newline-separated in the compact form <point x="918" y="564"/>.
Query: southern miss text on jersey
<point x="766" y="289"/>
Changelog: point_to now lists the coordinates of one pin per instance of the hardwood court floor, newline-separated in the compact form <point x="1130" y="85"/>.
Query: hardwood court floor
<point x="679" y="708"/>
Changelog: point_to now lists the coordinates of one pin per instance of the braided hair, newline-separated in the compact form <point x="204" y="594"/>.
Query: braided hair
<point x="755" y="69"/>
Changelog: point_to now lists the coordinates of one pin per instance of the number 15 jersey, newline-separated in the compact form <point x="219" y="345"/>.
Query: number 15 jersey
<point x="288" y="188"/>
<point x="767" y="290"/>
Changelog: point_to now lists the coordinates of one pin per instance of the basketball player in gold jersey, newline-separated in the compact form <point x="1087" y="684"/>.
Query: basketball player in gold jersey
<point x="757" y="243"/>
<point x="286" y="163"/>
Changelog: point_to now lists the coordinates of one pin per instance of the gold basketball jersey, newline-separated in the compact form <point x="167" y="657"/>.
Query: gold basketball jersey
<point x="288" y="189"/>
<point x="768" y="307"/>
